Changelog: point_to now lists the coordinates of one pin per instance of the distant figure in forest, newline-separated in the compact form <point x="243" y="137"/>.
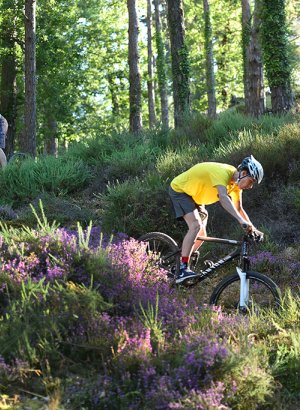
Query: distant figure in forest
<point x="3" y="132"/>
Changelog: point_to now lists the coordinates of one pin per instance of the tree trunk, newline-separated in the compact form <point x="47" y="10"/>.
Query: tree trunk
<point x="275" y="54"/>
<point x="161" y="68"/>
<point x="8" y="92"/>
<point x="210" y="75"/>
<point x="180" y="61"/>
<point x="50" y="144"/>
<point x="114" y="94"/>
<point x="135" y="98"/>
<point x="281" y="98"/>
<point x="246" y="30"/>
<point x="29" y="142"/>
<point x="253" y="66"/>
<point x="150" y="84"/>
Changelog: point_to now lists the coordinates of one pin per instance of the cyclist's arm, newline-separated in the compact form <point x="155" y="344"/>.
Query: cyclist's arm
<point x="233" y="209"/>
<point x="242" y="212"/>
<point x="238" y="205"/>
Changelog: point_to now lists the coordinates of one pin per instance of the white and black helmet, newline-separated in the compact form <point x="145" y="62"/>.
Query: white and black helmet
<point x="254" y="168"/>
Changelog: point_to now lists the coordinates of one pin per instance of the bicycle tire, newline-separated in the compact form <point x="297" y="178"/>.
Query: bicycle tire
<point x="263" y="293"/>
<point x="18" y="157"/>
<point x="165" y="249"/>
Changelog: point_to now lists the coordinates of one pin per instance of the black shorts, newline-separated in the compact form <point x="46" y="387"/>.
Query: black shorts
<point x="3" y="131"/>
<point x="184" y="204"/>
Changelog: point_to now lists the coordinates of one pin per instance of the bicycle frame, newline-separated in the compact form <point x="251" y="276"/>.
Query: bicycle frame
<point x="241" y="252"/>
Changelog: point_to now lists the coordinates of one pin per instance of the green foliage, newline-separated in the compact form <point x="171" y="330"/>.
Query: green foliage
<point x="183" y="76"/>
<point x="150" y="320"/>
<point x="293" y="196"/>
<point x="278" y="152"/>
<point x="59" y="176"/>
<point x="37" y="323"/>
<point x="65" y="211"/>
<point x="22" y="182"/>
<point x="193" y="131"/>
<point x="128" y="206"/>
<point x="173" y="162"/>
<point x="249" y="370"/>
<point x="129" y="162"/>
<point x="274" y="42"/>
<point x="42" y="222"/>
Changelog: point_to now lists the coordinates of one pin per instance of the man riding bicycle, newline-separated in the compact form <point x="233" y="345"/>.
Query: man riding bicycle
<point x="204" y="184"/>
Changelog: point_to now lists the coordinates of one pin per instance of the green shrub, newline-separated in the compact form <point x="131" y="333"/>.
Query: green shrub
<point x="17" y="183"/>
<point x="173" y="162"/>
<point x="43" y="317"/>
<point x="137" y="206"/>
<point x="230" y="124"/>
<point x="193" y="131"/>
<point x="129" y="162"/>
<point x="253" y="381"/>
<point x="292" y="196"/>
<point x="60" y="176"/>
<point x="278" y="152"/>
<point x="93" y="151"/>
<point x="62" y="210"/>
<point x="22" y="182"/>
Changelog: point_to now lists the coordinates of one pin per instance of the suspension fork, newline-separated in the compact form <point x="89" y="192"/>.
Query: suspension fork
<point x="244" y="282"/>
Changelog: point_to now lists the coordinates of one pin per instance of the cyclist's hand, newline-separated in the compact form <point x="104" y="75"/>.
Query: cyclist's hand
<point x="257" y="235"/>
<point x="253" y="233"/>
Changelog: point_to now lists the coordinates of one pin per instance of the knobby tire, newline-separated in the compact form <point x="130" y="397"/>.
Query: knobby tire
<point x="226" y="293"/>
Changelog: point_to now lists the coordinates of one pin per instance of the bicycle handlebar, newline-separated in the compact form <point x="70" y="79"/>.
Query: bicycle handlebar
<point x="252" y="233"/>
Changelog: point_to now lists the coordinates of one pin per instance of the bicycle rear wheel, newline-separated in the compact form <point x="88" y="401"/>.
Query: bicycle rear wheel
<point x="165" y="251"/>
<point x="263" y="293"/>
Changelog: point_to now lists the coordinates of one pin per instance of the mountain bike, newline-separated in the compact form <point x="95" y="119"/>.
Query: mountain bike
<point x="243" y="290"/>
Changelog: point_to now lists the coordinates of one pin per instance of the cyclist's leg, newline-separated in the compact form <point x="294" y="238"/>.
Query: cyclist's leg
<point x="202" y="232"/>
<point x="195" y="227"/>
<point x="186" y="209"/>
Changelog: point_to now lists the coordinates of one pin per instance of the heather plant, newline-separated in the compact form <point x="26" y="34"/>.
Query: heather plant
<point x="94" y="315"/>
<point x="208" y="399"/>
<point x="283" y="268"/>
<point x="40" y="325"/>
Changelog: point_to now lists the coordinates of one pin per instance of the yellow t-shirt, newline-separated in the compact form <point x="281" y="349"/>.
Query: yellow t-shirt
<point x="201" y="180"/>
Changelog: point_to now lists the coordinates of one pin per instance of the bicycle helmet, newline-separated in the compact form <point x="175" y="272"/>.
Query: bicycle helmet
<point x="254" y="168"/>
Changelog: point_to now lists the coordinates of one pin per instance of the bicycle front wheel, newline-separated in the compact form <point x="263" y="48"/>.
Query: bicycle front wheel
<point x="263" y="293"/>
<point x="165" y="251"/>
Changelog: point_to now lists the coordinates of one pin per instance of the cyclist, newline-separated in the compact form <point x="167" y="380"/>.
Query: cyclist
<point x="3" y="132"/>
<point x="204" y="184"/>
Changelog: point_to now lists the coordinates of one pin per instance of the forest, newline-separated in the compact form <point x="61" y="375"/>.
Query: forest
<point x="106" y="102"/>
